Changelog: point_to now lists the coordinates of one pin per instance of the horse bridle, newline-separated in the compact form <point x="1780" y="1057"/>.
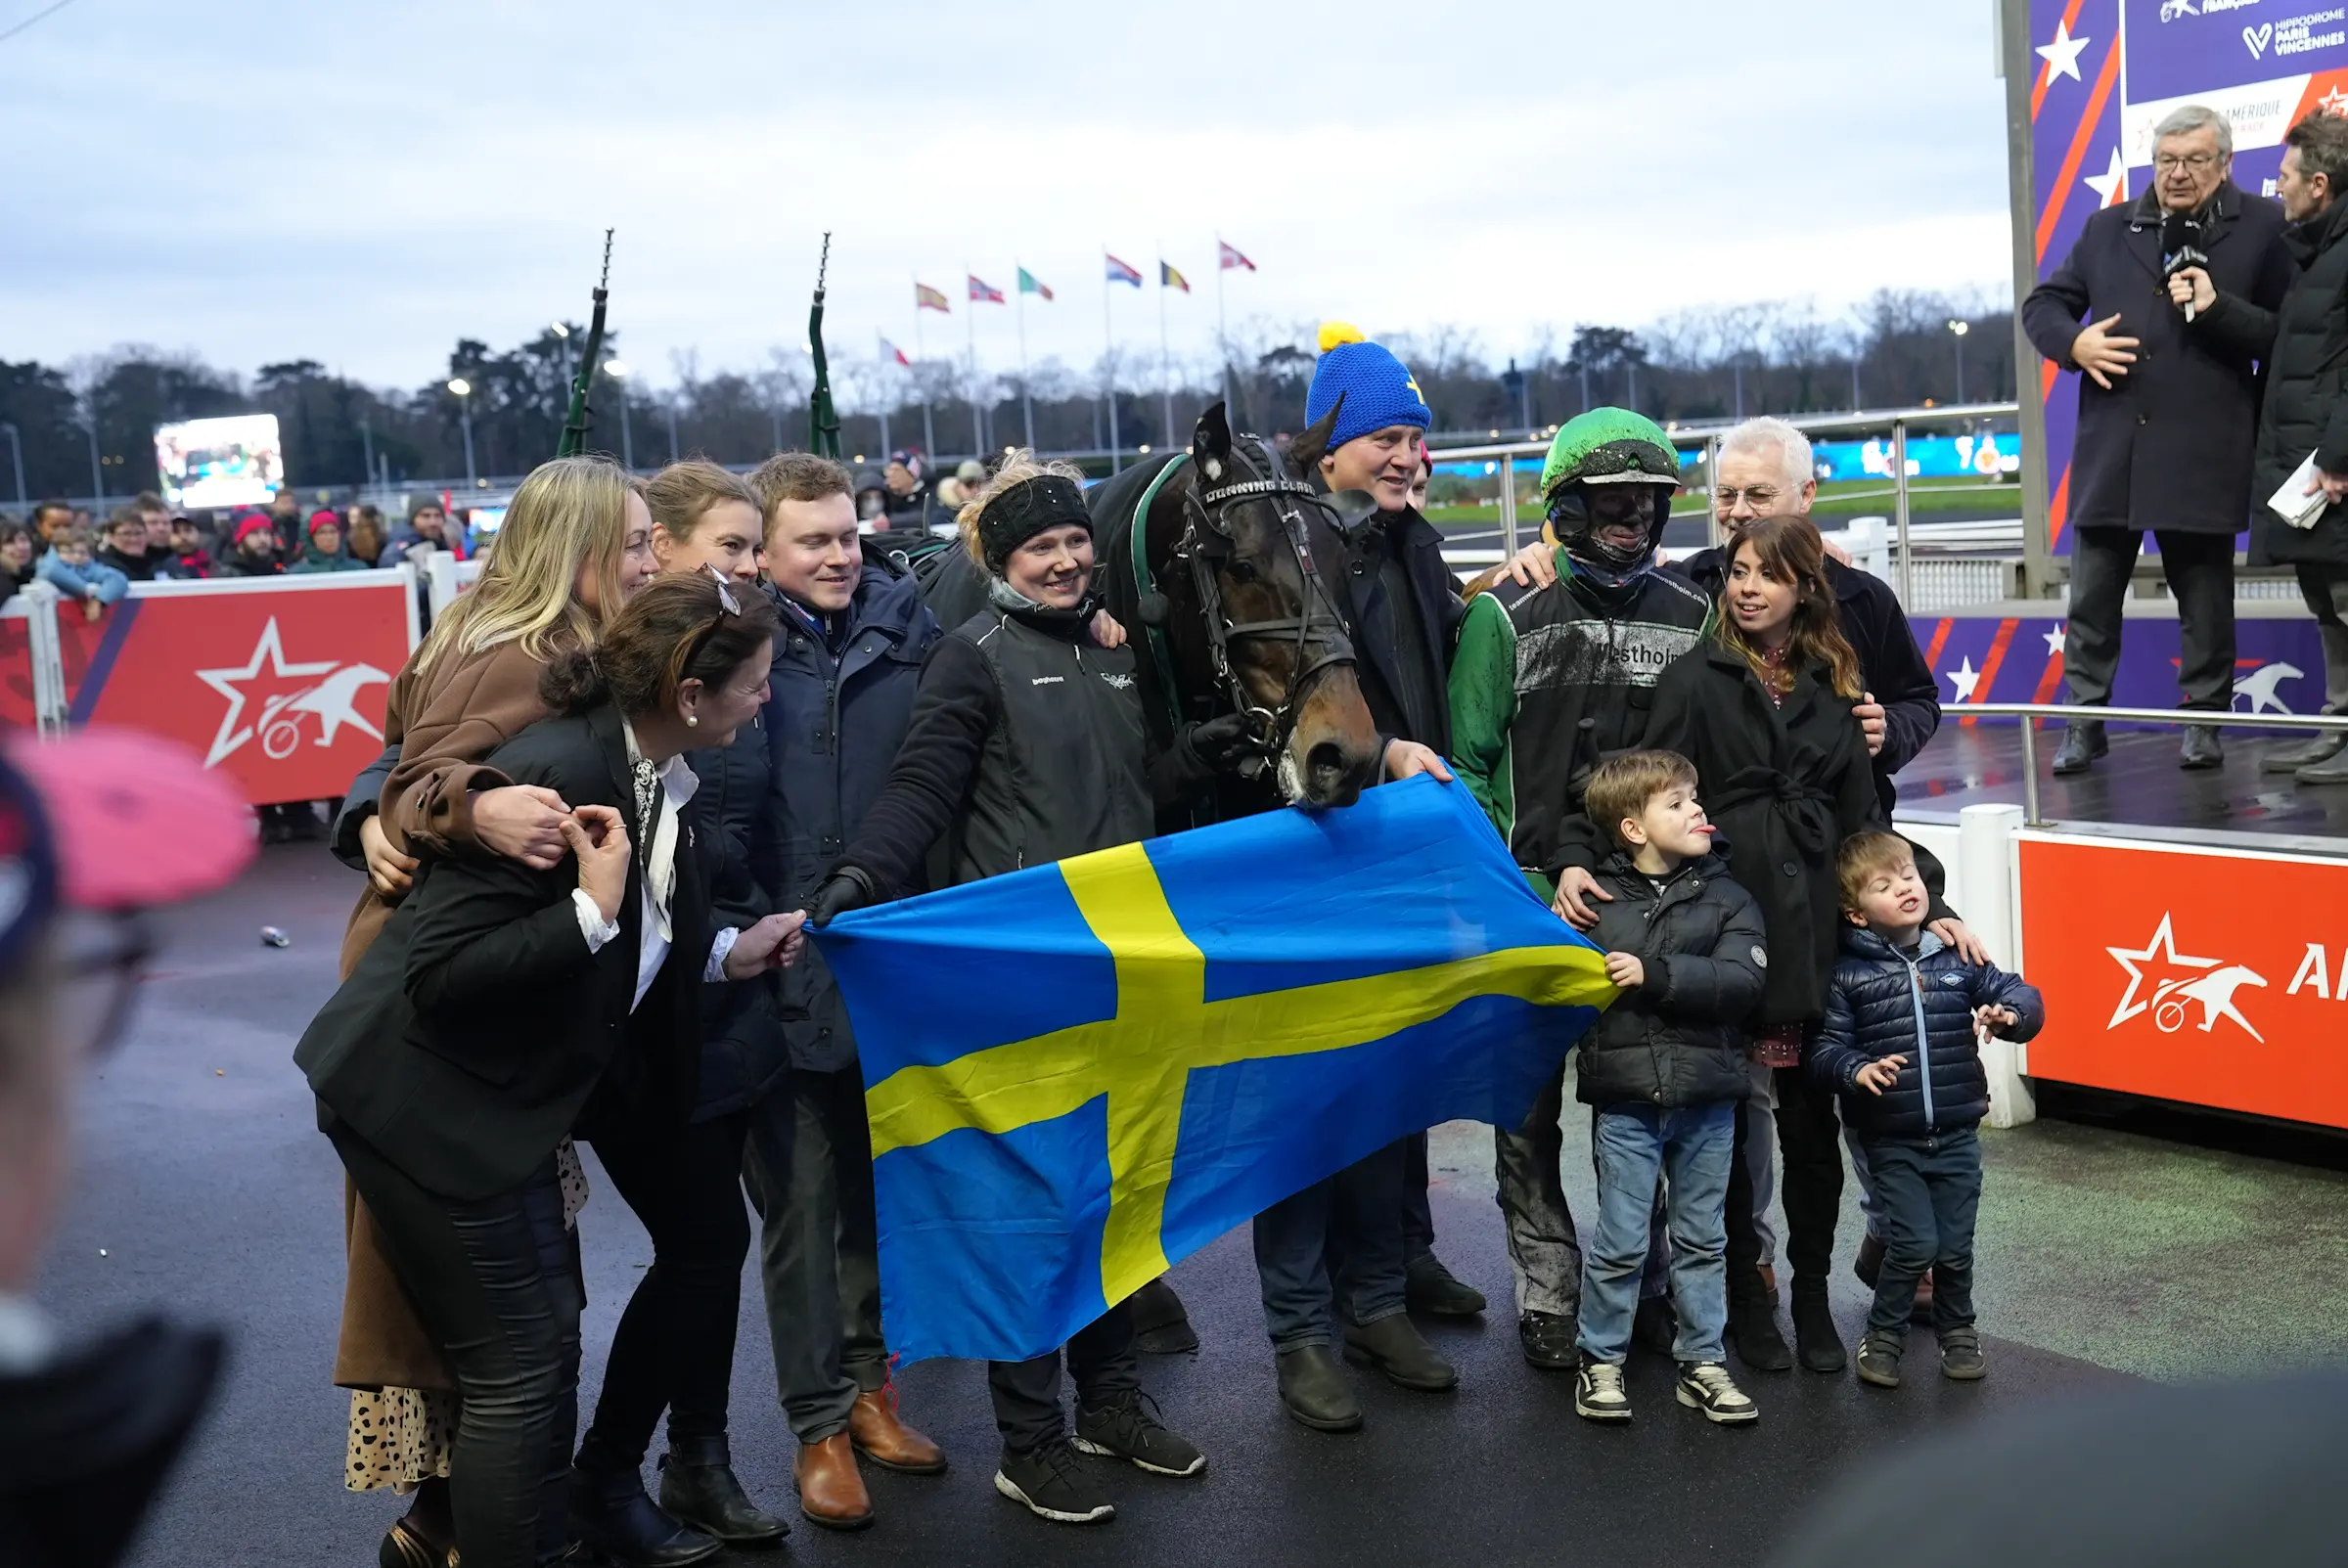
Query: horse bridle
<point x="1318" y="632"/>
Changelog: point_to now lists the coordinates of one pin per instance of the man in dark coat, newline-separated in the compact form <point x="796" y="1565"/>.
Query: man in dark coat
<point x="1402" y="607"/>
<point x="847" y="667"/>
<point x="911" y="505"/>
<point x="2301" y="344"/>
<point x="2166" y="415"/>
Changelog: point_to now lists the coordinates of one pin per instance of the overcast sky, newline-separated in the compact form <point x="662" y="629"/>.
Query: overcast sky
<point x="259" y="180"/>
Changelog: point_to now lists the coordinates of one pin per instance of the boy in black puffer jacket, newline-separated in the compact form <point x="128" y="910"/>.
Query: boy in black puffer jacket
<point x="1900" y="1044"/>
<point x="1662" y="1072"/>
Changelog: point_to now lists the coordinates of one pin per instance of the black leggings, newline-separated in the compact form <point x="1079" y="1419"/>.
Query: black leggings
<point x="1810" y="1144"/>
<point x="674" y="1347"/>
<point x="497" y="1284"/>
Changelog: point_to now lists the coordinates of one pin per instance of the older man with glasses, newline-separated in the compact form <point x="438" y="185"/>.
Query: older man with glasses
<point x="2167" y="416"/>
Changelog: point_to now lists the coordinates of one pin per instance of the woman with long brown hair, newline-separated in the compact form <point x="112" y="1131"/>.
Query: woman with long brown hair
<point x="576" y="544"/>
<point x="504" y="1004"/>
<point x="1764" y="710"/>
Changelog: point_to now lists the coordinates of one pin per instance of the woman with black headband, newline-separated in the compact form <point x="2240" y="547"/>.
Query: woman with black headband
<point x="1025" y="747"/>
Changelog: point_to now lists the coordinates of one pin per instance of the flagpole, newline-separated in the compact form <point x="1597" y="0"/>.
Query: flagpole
<point x="1108" y="360"/>
<point x="1165" y="354"/>
<point x="1222" y="333"/>
<point x="881" y="338"/>
<point x="1026" y="397"/>
<point x="978" y="425"/>
<point x="929" y="425"/>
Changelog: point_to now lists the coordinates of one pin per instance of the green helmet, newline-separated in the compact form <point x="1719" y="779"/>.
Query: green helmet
<point x="1609" y="446"/>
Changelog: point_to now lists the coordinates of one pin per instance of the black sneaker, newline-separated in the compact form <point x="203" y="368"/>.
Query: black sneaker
<point x="1050" y="1483"/>
<point x="1879" y="1361"/>
<point x="1599" y="1395"/>
<point x="1961" y="1356"/>
<point x="1127" y="1428"/>
<point x="1547" y="1339"/>
<point x="1706" y="1386"/>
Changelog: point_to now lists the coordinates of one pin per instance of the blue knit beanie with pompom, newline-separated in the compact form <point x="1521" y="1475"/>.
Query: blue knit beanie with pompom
<point x="1378" y="388"/>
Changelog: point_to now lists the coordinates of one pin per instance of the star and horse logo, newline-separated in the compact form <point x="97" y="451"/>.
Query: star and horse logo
<point x="2209" y="983"/>
<point x="326" y="696"/>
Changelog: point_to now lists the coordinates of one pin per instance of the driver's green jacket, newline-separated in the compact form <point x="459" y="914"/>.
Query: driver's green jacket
<point x="1549" y="681"/>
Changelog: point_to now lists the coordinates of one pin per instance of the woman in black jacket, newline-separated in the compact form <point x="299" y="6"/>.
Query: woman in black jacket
<point x="1025" y="747"/>
<point x="503" y="1007"/>
<point x="1764" y="710"/>
<point x="674" y="1346"/>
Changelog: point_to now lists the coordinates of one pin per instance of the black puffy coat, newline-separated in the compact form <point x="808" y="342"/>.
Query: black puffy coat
<point x="2304" y="343"/>
<point x="2169" y="445"/>
<point x="1677" y="1039"/>
<point x="1785" y="784"/>
<point x="1885" y="1002"/>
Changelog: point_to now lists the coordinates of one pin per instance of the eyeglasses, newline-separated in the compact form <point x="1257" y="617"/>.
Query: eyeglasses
<point x="2169" y="162"/>
<point x="1759" y="497"/>
<point x="100" y="961"/>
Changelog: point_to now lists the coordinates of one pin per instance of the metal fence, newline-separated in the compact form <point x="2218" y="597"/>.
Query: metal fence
<point x="1904" y="562"/>
<point x="2031" y="712"/>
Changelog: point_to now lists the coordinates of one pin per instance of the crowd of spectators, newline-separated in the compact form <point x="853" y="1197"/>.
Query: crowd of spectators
<point x="145" y="540"/>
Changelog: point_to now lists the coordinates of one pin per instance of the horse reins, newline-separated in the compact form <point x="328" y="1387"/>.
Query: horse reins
<point x="1318" y="632"/>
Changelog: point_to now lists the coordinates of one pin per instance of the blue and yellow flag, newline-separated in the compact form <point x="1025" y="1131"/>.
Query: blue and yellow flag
<point x="1078" y="1074"/>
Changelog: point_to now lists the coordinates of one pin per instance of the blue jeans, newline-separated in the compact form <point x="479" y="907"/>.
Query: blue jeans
<point x="1338" y="1242"/>
<point x="1691" y="1147"/>
<point x="1929" y="1192"/>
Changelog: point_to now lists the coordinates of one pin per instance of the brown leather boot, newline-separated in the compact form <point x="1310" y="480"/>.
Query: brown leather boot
<point x="882" y="1438"/>
<point x="831" y="1488"/>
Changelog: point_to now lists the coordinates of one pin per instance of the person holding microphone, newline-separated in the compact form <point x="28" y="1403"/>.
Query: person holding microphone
<point x="2167" y="416"/>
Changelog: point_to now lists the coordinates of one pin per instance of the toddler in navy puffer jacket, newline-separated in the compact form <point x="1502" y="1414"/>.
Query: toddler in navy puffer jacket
<point x="1901" y="1045"/>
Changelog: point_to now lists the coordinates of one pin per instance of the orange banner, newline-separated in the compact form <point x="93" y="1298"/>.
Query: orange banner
<point x="2211" y="977"/>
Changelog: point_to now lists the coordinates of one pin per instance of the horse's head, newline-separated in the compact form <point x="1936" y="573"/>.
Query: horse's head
<point x="1266" y="621"/>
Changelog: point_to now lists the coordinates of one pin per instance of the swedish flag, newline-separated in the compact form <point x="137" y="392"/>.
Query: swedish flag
<point x="1081" y="1073"/>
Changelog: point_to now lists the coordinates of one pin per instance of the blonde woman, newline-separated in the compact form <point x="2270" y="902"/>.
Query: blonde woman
<point x="576" y="544"/>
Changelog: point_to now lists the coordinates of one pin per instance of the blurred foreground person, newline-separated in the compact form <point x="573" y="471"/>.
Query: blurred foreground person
<point x="2152" y="1477"/>
<point x="101" y="824"/>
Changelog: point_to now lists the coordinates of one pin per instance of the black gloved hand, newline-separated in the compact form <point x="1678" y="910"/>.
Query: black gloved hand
<point x="1221" y="743"/>
<point x="846" y="888"/>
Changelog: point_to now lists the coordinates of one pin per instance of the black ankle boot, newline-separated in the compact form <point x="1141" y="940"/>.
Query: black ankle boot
<point x="1814" y="1337"/>
<point x="610" y="1514"/>
<point x="1753" y="1326"/>
<point x="698" y="1486"/>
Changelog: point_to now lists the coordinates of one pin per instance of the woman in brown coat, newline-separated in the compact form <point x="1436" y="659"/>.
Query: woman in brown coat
<point x="576" y="542"/>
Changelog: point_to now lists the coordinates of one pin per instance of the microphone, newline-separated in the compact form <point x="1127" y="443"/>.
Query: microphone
<point x="2181" y="247"/>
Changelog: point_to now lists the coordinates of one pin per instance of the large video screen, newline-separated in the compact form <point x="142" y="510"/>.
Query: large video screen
<point x="233" y="462"/>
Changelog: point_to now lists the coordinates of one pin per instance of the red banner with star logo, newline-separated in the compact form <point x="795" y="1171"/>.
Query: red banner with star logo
<point x="2212" y="977"/>
<point x="279" y="683"/>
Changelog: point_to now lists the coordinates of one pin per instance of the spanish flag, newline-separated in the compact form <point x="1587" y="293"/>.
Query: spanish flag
<point x="926" y="297"/>
<point x="1168" y="278"/>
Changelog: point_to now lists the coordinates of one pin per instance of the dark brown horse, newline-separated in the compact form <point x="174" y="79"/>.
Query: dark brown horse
<point x="1227" y="599"/>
